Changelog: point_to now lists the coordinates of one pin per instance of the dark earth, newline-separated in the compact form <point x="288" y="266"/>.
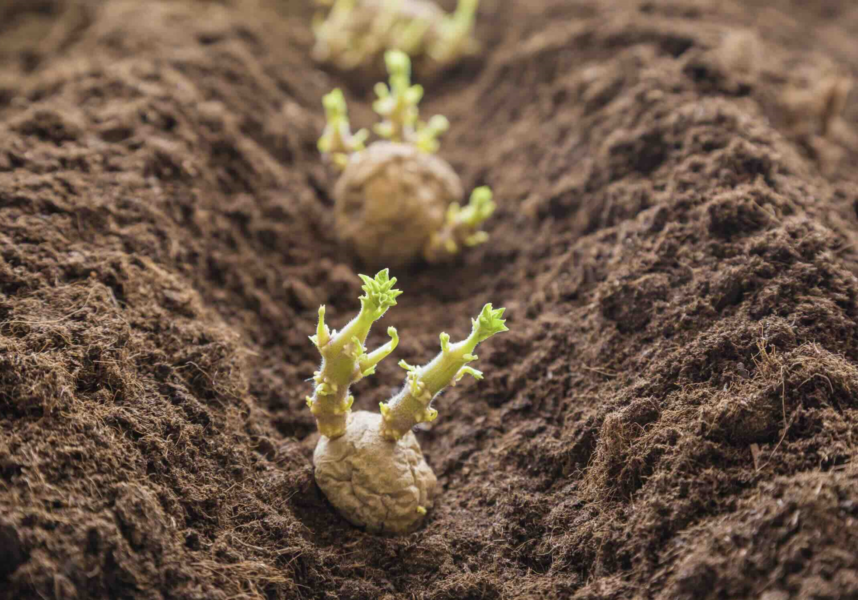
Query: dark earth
<point x="673" y="415"/>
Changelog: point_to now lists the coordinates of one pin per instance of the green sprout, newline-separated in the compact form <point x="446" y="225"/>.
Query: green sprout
<point x="397" y="105"/>
<point x="412" y="405"/>
<point x="462" y="226"/>
<point x="426" y="136"/>
<point x="344" y="356"/>
<point x="466" y="221"/>
<point x="337" y="139"/>
<point x="455" y="33"/>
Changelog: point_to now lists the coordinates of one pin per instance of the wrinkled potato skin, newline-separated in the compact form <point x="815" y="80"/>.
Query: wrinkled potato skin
<point x="372" y="482"/>
<point x="389" y="201"/>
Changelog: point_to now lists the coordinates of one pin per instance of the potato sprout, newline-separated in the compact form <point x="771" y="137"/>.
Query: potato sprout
<point x="370" y="465"/>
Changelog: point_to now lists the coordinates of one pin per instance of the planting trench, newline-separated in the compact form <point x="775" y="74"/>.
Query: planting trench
<point x="672" y="414"/>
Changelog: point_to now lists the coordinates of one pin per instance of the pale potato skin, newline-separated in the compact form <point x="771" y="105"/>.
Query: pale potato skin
<point x="390" y="199"/>
<point x="385" y="487"/>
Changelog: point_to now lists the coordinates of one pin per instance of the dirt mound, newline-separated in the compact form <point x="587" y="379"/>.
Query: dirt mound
<point x="671" y="414"/>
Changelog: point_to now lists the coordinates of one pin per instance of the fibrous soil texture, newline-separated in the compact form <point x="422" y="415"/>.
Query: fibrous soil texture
<point x="673" y="413"/>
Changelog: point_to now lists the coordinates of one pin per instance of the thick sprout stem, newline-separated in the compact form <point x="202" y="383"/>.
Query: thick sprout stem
<point x="337" y="139"/>
<point x="344" y="356"/>
<point x="412" y="404"/>
<point x="462" y="226"/>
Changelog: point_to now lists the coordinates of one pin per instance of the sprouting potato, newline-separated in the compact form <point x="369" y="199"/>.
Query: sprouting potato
<point x="396" y="201"/>
<point x="370" y="465"/>
<point x="355" y="33"/>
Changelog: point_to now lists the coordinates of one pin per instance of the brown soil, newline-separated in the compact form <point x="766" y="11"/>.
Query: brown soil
<point x="672" y="415"/>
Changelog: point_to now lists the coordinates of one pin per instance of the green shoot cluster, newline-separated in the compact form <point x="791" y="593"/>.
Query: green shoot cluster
<point x="356" y="32"/>
<point x="345" y="361"/>
<point x="398" y="107"/>
<point x="455" y="34"/>
<point x="462" y="225"/>
<point x="344" y="356"/>
<point x="337" y="140"/>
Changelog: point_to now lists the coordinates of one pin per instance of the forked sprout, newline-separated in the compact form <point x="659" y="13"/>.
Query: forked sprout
<point x="369" y="465"/>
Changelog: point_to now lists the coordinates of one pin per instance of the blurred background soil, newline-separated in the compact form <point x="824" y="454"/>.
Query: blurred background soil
<point x="672" y="415"/>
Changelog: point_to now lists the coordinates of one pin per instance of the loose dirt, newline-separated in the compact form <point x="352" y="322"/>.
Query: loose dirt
<point x="672" y="415"/>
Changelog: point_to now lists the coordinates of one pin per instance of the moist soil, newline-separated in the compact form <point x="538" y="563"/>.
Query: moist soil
<point x="673" y="413"/>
